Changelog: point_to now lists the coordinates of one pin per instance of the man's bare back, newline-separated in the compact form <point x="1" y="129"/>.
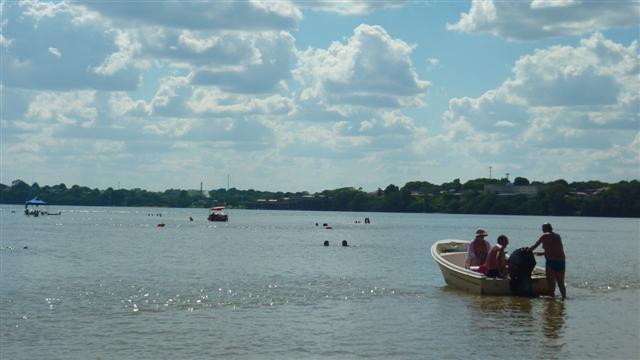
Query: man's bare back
<point x="552" y="245"/>
<point x="554" y="254"/>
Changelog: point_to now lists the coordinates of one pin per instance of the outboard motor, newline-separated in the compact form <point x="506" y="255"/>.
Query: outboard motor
<point x="521" y="263"/>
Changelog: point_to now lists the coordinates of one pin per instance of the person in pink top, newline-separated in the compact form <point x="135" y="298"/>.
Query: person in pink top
<point x="477" y="250"/>
<point x="496" y="262"/>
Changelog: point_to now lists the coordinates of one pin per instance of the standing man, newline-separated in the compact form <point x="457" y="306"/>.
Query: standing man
<point x="555" y="259"/>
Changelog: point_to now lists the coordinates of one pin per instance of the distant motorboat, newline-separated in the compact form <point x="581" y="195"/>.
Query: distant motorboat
<point x="217" y="214"/>
<point x="451" y="255"/>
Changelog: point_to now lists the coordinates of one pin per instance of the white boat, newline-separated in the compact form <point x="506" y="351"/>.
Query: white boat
<point x="451" y="254"/>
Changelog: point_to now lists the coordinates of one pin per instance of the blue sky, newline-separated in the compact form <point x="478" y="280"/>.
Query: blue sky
<point x="302" y="95"/>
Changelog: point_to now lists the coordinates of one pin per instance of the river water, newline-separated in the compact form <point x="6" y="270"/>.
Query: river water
<point x="107" y="283"/>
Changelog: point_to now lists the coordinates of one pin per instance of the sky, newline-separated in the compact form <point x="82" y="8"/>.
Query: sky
<point x="307" y="95"/>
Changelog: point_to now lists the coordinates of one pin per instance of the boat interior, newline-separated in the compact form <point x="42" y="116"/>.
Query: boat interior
<point x="456" y="254"/>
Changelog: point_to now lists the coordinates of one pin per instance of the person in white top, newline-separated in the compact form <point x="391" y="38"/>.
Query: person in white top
<point x="478" y="250"/>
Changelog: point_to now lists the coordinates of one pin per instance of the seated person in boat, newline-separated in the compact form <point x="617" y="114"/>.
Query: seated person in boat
<point x="496" y="262"/>
<point x="477" y="250"/>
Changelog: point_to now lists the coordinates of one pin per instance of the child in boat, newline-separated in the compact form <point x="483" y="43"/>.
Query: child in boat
<point x="496" y="264"/>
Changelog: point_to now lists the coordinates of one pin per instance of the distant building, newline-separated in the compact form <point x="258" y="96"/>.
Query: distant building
<point x="510" y="189"/>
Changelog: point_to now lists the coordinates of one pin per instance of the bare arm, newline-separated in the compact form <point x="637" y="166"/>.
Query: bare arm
<point x="502" y="263"/>
<point x="536" y="244"/>
<point x="467" y="262"/>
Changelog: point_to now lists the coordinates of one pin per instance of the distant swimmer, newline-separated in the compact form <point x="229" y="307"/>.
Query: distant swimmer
<point x="190" y="218"/>
<point x="344" y="243"/>
<point x="326" y="243"/>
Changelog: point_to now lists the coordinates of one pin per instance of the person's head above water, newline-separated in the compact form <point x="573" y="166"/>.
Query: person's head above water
<point x="326" y="243"/>
<point x="344" y="243"/>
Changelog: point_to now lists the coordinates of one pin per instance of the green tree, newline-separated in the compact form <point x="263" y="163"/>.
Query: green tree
<point x="391" y="189"/>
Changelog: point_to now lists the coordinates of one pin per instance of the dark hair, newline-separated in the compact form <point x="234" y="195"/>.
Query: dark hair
<point x="326" y="243"/>
<point x="547" y="226"/>
<point x="502" y="239"/>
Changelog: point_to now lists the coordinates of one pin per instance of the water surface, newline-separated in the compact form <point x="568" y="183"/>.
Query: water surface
<point x="108" y="283"/>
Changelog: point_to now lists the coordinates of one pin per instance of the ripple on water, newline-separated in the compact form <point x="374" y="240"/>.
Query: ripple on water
<point x="243" y="295"/>
<point x="608" y="286"/>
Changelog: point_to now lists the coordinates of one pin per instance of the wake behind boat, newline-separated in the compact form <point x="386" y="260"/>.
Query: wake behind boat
<point x="450" y="254"/>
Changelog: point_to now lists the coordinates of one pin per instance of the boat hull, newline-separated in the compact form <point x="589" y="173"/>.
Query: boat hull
<point x="450" y="256"/>
<point x="214" y="217"/>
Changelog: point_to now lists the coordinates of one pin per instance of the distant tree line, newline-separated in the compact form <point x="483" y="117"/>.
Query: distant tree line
<point x="557" y="198"/>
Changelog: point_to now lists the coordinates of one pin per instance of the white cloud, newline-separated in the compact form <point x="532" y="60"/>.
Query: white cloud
<point x="109" y="147"/>
<point x="487" y="112"/>
<point x="219" y="95"/>
<point x="55" y="52"/>
<point x="523" y="20"/>
<point x="44" y="9"/>
<point x="599" y="72"/>
<point x="37" y="31"/>
<point x="383" y="135"/>
<point x="542" y="4"/>
<point x="203" y="15"/>
<point x="65" y="108"/>
<point x="169" y="127"/>
<point x="122" y="59"/>
<point x="271" y="65"/>
<point x="85" y="127"/>
<point x="580" y="99"/>
<point x="120" y="104"/>
<point x="198" y="48"/>
<point x="4" y="42"/>
<point x="432" y="63"/>
<point x="177" y="97"/>
<point x="371" y="70"/>
<point x="350" y="7"/>
<point x="206" y="101"/>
